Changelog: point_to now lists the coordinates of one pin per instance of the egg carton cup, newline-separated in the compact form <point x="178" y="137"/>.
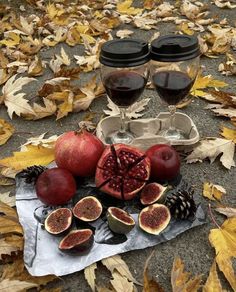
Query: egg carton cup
<point x="147" y="131"/>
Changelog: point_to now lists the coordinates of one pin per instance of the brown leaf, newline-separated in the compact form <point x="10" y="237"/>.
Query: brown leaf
<point x="72" y="73"/>
<point x="90" y="276"/>
<point x="10" y="245"/>
<point x="36" y="68"/>
<point x="9" y="225"/>
<point x="6" y="131"/>
<point x="7" y="285"/>
<point x="227" y="211"/>
<point x="7" y="199"/>
<point x="121" y="283"/>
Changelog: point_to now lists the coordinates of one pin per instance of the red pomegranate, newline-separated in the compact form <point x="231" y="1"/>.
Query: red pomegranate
<point x="122" y="171"/>
<point x="78" y="152"/>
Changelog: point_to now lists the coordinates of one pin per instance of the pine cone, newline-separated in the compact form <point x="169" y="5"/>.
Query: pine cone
<point x="30" y="174"/>
<point x="181" y="204"/>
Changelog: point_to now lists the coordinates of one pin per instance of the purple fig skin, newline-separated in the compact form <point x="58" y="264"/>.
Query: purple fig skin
<point x="80" y="244"/>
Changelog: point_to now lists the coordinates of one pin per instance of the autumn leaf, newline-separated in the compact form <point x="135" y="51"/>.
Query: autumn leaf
<point x="34" y="155"/>
<point x="10" y="245"/>
<point x="6" y="131"/>
<point x="9" y="225"/>
<point x="7" y="210"/>
<point x="40" y="111"/>
<point x="124" y="33"/>
<point x="7" y="285"/>
<point x="229" y="133"/>
<point x="7" y="199"/>
<point x="213" y="192"/>
<point x="5" y="181"/>
<point x="121" y="283"/>
<point x="40" y="140"/>
<point x="223" y="239"/>
<point x="211" y="148"/>
<point x="227" y="211"/>
<point x="126" y="8"/>
<point x="213" y="283"/>
<point x="12" y="39"/>
<point x="90" y="276"/>
<point x="149" y="284"/>
<point x="180" y="280"/>
<point x="36" y="68"/>
<point x="13" y="99"/>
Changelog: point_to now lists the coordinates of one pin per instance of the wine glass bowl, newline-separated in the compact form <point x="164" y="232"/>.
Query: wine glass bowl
<point x="174" y="67"/>
<point x="124" y="73"/>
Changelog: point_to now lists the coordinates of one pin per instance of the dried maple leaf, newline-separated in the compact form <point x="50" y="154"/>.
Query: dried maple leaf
<point x="229" y="66"/>
<point x="36" y="68"/>
<point x="5" y="181"/>
<point x="15" y="285"/>
<point x="184" y="27"/>
<point x="223" y="97"/>
<point x="211" y="148"/>
<point x="30" y="46"/>
<point x="124" y="33"/>
<point x="225" y="112"/>
<point x="12" y="39"/>
<point x="212" y="191"/>
<point x="121" y="283"/>
<point x="149" y="4"/>
<point x="144" y="21"/>
<point x="13" y="99"/>
<point x="41" y="141"/>
<point x="40" y="112"/>
<point x="223" y="239"/>
<point x="180" y="280"/>
<point x="213" y="282"/>
<point x="90" y="276"/>
<point x="7" y="199"/>
<point x="229" y="134"/>
<point x="6" y="131"/>
<point x="227" y="211"/>
<point x="126" y="8"/>
<point x="224" y="4"/>
<point x="11" y="244"/>
<point x="35" y="155"/>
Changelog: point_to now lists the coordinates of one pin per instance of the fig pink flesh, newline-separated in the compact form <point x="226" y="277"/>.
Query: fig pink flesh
<point x="121" y="215"/>
<point x="154" y="216"/>
<point x="77" y="238"/>
<point x="87" y="208"/>
<point x="59" y="218"/>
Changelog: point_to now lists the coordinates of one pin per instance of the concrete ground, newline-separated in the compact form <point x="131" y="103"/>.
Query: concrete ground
<point x="192" y="246"/>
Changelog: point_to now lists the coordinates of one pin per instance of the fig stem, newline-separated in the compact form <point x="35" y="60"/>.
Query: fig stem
<point x="212" y="216"/>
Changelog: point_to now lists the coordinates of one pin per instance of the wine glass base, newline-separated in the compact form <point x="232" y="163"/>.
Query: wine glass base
<point x="173" y="134"/>
<point x="118" y="137"/>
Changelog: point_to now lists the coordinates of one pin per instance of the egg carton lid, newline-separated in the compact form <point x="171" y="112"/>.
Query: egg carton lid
<point x="147" y="131"/>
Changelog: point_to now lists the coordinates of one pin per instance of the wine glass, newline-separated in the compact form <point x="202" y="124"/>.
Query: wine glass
<point x="174" y="67"/>
<point x="124" y="73"/>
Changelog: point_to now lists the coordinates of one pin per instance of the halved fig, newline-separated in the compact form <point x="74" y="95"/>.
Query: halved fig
<point x="154" y="218"/>
<point x="153" y="193"/>
<point x="122" y="171"/>
<point x="77" y="241"/>
<point x="119" y="221"/>
<point x="88" y="209"/>
<point x="58" y="221"/>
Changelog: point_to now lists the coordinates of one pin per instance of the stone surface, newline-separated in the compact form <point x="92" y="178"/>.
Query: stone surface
<point x="193" y="246"/>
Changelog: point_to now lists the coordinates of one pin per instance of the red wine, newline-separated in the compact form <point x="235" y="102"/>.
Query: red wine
<point x="124" y="87"/>
<point x="172" y="86"/>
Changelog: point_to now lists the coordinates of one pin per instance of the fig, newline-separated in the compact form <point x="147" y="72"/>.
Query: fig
<point x="77" y="241"/>
<point x="88" y="209"/>
<point x="122" y="171"/>
<point x="58" y="221"/>
<point x="154" y="218"/>
<point x="152" y="193"/>
<point x="119" y="221"/>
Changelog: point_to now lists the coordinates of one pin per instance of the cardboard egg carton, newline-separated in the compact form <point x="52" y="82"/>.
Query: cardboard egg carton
<point x="147" y="131"/>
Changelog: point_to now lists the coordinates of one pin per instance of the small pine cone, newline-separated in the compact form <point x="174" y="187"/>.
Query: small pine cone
<point x="181" y="204"/>
<point x="30" y="174"/>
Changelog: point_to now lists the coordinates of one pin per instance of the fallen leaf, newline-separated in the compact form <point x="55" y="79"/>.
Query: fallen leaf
<point x="13" y="99"/>
<point x="213" y="192"/>
<point x="126" y="8"/>
<point x="9" y="225"/>
<point x="5" y="181"/>
<point x="227" y="211"/>
<point x="223" y="239"/>
<point x="228" y="133"/>
<point x="90" y="276"/>
<point x="35" y="155"/>
<point x="41" y="112"/>
<point x="10" y="244"/>
<point x="8" y="211"/>
<point x="180" y="280"/>
<point x="213" y="282"/>
<point x="12" y="39"/>
<point x="116" y="263"/>
<point x="211" y="148"/>
<point x="6" y="131"/>
<point x="7" y="199"/>
<point x="7" y="285"/>
<point x="226" y="112"/>
<point x="224" y="4"/>
<point x="36" y="67"/>
<point x="149" y="284"/>
<point x="121" y="283"/>
<point x="40" y="141"/>
<point x="124" y="33"/>
<point x="185" y="28"/>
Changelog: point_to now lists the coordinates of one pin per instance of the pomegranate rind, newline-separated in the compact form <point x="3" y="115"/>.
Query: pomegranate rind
<point x="154" y="218"/>
<point x="125" y="175"/>
<point x="58" y="221"/>
<point x="153" y="193"/>
<point x="119" y="221"/>
<point x="87" y="209"/>
<point x="77" y="241"/>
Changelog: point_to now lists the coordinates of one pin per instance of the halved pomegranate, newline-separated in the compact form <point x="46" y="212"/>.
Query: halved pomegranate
<point x="122" y="171"/>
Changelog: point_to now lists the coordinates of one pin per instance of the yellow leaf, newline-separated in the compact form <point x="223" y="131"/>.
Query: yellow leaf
<point x="7" y="285"/>
<point x="150" y="285"/>
<point x="213" y="192"/>
<point x="90" y="276"/>
<point x="6" y="131"/>
<point x="5" y="181"/>
<point x="35" y="155"/>
<point x="227" y="133"/>
<point x="8" y="210"/>
<point x="12" y="40"/>
<point x="185" y="28"/>
<point x="121" y="283"/>
<point x="213" y="283"/>
<point x="53" y="11"/>
<point x="223" y="239"/>
<point x="126" y="8"/>
<point x="36" y="67"/>
<point x="9" y="225"/>
<point x="217" y="83"/>
<point x="180" y="280"/>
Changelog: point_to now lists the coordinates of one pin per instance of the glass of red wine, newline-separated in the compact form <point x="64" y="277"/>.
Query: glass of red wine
<point x="174" y="67"/>
<point x="124" y="73"/>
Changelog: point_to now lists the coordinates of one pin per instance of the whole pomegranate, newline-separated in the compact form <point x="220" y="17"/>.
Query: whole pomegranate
<point x="122" y="171"/>
<point x="165" y="162"/>
<point x="78" y="152"/>
<point x="55" y="186"/>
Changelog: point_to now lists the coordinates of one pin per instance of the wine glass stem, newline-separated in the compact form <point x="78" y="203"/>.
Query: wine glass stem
<point x="122" y="120"/>
<point x="172" y="110"/>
